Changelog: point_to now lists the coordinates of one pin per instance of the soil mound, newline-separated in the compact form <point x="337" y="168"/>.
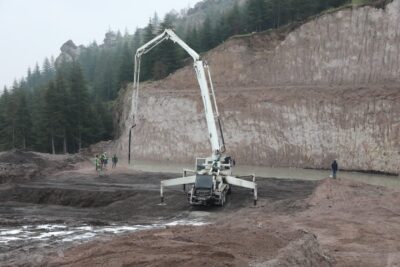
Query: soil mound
<point x="357" y="223"/>
<point x="305" y="251"/>
<point x="351" y="195"/>
<point x="20" y="166"/>
<point x="213" y="245"/>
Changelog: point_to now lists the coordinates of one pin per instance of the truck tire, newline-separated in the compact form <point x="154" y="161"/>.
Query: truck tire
<point x="223" y="199"/>
<point x="229" y="190"/>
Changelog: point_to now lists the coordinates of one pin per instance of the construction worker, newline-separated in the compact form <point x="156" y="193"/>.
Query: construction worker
<point x="101" y="161"/>
<point x="97" y="163"/>
<point x="114" y="161"/>
<point x="334" y="167"/>
<point x="105" y="160"/>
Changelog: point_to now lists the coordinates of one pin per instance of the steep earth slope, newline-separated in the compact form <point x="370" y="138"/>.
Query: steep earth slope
<point x="299" y="96"/>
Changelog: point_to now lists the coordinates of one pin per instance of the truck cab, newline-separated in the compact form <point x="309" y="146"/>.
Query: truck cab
<point x="208" y="190"/>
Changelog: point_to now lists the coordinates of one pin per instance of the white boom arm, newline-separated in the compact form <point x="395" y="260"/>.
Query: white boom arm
<point x="210" y="108"/>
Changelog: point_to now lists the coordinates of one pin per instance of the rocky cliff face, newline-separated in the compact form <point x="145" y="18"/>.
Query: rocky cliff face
<point x="300" y="96"/>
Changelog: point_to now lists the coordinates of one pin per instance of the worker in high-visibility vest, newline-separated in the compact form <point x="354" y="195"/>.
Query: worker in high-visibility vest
<point x="97" y="163"/>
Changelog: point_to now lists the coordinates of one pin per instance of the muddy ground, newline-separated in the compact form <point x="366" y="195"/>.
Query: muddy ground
<point x="296" y="223"/>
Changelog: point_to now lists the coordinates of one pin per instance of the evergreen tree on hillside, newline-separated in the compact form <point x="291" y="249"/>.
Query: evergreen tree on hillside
<point x="222" y="30"/>
<point x="155" y="21"/>
<point x="136" y="41"/>
<point x="102" y="123"/>
<point x="7" y="123"/>
<point x="104" y="82"/>
<point x="57" y="111"/>
<point x="126" y="66"/>
<point x="88" y="60"/>
<point x="79" y="107"/>
<point x="52" y="113"/>
<point x="22" y="118"/>
<point x="147" y="64"/>
<point x="256" y="15"/>
<point x="48" y="70"/>
<point x="117" y="59"/>
<point x="234" y="19"/>
<point x="231" y="23"/>
<point x="29" y="77"/>
<point x="36" y="76"/>
<point x="167" y="57"/>
<point x="40" y="133"/>
<point x="2" y="119"/>
<point x="192" y="38"/>
<point x="206" y="36"/>
<point x="10" y="114"/>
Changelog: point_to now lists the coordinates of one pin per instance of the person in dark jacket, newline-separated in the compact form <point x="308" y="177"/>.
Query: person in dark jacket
<point x="114" y="161"/>
<point x="334" y="168"/>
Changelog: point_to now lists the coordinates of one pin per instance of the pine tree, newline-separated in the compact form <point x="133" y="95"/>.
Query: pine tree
<point x="256" y="15"/>
<point x="2" y="118"/>
<point x="6" y="130"/>
<point x="192" y="38"/>
<point x="156" y="23"/>
<point x="101" y="127"/>
<point x="222" y="30"/>
<point x="79" y="107"/>
<point x="206" y="36"/>
<point x="166" y="54"/>
<point x="9" y="131"/>
<point x="48" y="70"/>
<point x="235" y="21"/>
<point x="22" y="118"/>
<point x="36" y="76"/>
<point x="126" y="67"/>
<point x="147" y="64"/>
<point x="57" y="110"/>
<point x="40" y="132"/>
<point x="136" y="41"/>
<point x="52" y="113"/>
<point x="103" y="81"/>
<point x="88" y="60"/>
<point x="29" y="78"/>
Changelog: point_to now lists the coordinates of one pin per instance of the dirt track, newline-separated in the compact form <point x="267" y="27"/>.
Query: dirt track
<point x="296" y="223"/>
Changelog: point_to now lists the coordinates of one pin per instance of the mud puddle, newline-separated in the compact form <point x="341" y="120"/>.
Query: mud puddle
<point x="40" y="239"/>
<point x="63" y="233"/>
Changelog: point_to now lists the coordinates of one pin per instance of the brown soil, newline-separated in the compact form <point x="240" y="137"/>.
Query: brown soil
<point x="341" y="223"/>
<point x="296" y="222"/>
<point x="21" y="166"/>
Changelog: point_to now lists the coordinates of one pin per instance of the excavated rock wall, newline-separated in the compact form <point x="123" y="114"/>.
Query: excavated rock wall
<point x="299" y="96"/>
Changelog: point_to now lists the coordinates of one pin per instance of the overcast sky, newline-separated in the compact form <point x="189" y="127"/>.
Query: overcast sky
<point x="33" y="29"/>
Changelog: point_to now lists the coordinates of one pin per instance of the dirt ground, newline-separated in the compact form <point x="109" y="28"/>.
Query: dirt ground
<point x="296" y="222"/>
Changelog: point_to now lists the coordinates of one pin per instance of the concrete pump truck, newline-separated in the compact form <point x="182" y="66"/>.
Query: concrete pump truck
<point x="211" y="180"/>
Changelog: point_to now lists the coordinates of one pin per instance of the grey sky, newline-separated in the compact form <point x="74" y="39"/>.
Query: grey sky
<point x="32" y="30"/>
